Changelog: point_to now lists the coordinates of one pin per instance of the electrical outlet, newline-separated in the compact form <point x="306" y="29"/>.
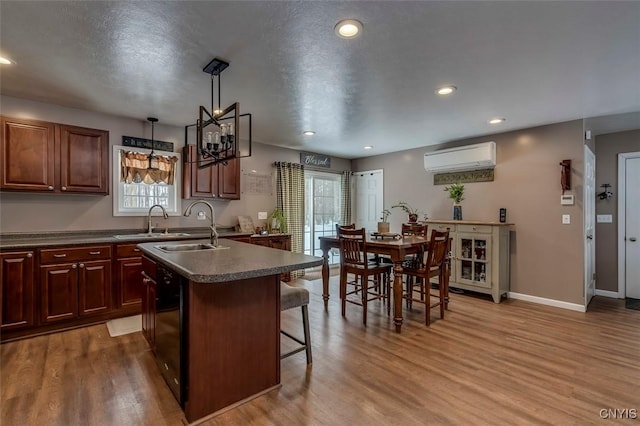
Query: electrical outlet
<point x="202" y="216"/>
<point x="566" y="219"/>
<point x="262" y="215"/>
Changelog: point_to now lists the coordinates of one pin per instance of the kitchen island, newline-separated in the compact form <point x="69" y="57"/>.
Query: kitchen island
<point x="215" y="329"/>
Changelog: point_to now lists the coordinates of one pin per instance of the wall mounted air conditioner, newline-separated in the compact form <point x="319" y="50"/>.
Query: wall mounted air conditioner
<point x="463" y="158"/>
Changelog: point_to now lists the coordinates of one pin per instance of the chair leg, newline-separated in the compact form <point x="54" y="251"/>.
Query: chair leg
<point x="365" y="296"/>
<point x="427" y="307"/>
<point x="307" y="335"/>
<point x="441" y="295"/>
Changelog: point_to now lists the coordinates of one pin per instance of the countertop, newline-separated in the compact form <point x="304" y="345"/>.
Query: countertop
<point x="56" y="238"/>
<point x="240" y="261"/>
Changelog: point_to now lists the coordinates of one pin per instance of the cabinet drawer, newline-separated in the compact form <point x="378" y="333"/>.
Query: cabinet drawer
<point x="127" y="250"/>
<point x="441" y="227"/>
<point x="59" y="255"/>
<point x="485" y="229"/>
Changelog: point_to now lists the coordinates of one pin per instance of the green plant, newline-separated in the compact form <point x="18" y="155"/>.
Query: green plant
<point x="406" y="207"/>
<point x="277" y="221"/>
<point x="456" y="190"/>
<point x="385" y="215"/>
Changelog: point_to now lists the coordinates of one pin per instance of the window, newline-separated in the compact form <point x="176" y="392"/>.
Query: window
<point x="135" y="196"/>
<point x="322" y="210"/>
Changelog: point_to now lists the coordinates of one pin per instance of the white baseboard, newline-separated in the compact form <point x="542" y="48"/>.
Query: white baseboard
<point x="607" y="293"/>
<point x="548" y="302"/>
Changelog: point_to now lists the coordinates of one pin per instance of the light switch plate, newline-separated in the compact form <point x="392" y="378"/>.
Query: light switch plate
<point x="262" y="215"/>
<point x="566" y="219"/>
<point x="567" y="200"/>
<point x="604" y="218"/>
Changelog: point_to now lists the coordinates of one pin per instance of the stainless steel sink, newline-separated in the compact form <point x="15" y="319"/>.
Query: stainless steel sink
<point x="145" y="235"/>
<point x="189" y="247"/>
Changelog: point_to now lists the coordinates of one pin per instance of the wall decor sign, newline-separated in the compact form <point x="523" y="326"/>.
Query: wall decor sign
<point x="146" y="143"/>
<point x="318" y="160"/>
<point x="484" y="175"/>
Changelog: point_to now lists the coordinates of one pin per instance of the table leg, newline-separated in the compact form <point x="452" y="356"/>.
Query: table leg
<point x="397" y="296"/>
<point x="325" y="276"/>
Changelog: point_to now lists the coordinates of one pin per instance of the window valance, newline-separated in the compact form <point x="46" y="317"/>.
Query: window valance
<point x="134" y="168"/>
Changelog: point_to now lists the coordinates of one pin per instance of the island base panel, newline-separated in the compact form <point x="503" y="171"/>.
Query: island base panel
<point x="233" y="342"/>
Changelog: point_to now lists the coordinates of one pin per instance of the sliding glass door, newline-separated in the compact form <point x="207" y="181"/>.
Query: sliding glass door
<point x="322" y="210"/>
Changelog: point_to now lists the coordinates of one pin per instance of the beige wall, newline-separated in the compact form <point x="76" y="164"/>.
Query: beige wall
<point x="546" y="256"/>
<point x="607" y="149"/>
<point x="26" y="212"/>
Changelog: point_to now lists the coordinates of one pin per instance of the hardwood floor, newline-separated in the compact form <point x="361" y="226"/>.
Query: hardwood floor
<point x="512" y="363"/>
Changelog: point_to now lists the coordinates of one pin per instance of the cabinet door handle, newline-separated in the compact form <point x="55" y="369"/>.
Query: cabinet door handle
<point x="59" y="255"/>
<point x="29" y="255"/>
<point x="50" y="188"/>
<point x="136" y="249"/>
<point x="74" y="266"/>
<point x="64" y="188"/>
<point x="94" y="252"/>
<point x="82" y="265"/>
<point x="632" y="239"/>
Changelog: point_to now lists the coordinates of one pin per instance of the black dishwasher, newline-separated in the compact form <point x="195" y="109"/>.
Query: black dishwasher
<point x="170" y="338"/>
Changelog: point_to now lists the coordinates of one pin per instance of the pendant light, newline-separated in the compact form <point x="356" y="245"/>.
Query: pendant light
<point x="153" y="159"/>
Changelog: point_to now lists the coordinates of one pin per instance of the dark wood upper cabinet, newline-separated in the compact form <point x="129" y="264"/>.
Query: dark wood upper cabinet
<point x="84" y="160"/>
<point x="28" y="155"/>
<point x="217" y="181"/>
<point x="51" y="157"/>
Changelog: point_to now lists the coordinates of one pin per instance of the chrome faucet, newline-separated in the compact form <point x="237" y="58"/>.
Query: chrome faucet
<point x="214" y="232"/>
<point x="164" y="215"/>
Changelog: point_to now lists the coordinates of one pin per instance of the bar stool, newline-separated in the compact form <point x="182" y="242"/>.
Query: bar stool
<point x="293" y="297"/>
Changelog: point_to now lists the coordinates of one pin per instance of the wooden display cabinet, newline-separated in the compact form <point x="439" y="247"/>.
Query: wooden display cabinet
<point x="479" y="255"/>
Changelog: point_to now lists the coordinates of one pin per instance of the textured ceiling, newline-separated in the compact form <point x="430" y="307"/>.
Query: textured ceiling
<point x="531" y="62"/>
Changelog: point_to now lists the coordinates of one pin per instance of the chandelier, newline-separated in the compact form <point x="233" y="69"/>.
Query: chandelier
<point x="221" y="134"/>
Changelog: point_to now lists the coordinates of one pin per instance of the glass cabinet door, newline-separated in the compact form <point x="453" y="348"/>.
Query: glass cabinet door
<point x="473" y="259"/>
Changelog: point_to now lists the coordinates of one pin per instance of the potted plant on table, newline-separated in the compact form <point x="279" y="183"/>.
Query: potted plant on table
<point x="383" y="225"/>
<point x="410" y="211"/>
<point x="456" y="191"/>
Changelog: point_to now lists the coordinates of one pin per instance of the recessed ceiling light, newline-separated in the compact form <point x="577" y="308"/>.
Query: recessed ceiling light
<point x="5" y="61"/>
<point x="308" y="133"/>
<point x="497" y="120"/>
<point x="368" y="147"/>
<point x="348" y="28"/>
<point x="446" y="90"/>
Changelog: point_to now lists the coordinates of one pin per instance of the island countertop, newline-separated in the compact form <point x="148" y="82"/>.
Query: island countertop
<point x="240" y="261"/>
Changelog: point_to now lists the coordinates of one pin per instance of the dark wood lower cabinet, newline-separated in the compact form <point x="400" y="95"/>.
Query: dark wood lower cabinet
<point x="149" y="296"/>
<point x="17" y="290"/>
<point x="58" y="292"/>
<point x="94" y="285"/>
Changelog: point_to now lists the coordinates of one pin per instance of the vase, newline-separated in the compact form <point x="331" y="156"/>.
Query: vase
<point x="457" y="211"/>
<point x="383" y="227"/>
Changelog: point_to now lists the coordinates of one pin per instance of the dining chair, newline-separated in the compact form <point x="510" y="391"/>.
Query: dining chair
<point x="413" y="260"/>
<point x="372" y="279"/>
<point x="435" y="264"/>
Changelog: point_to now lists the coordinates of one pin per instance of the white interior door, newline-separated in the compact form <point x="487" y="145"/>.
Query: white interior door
<point x="632" y="231"/>
<point x="589" y="225"/>
<point x="369" y="194"/>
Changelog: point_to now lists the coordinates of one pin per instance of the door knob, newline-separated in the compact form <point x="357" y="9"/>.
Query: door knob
<point x="632" y="239"/>
<point x="589" y="237"/>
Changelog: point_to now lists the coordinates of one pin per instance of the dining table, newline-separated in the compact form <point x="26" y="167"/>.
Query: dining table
<point x="395" y="248"/>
